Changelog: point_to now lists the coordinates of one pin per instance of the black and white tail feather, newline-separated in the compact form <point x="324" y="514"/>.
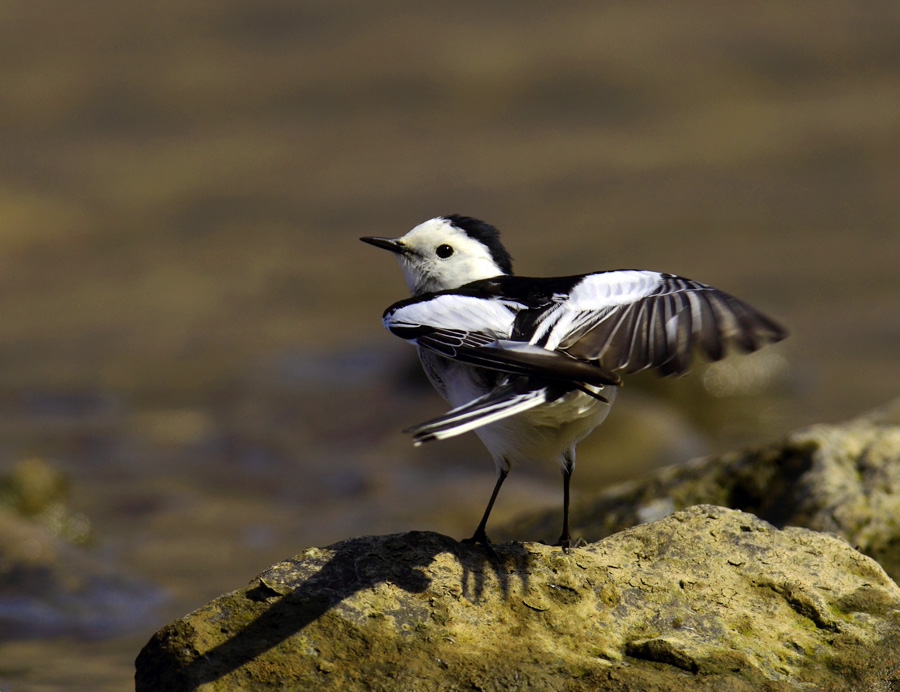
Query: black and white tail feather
<point x="500" y="403"/>
<point x="532" y="364"/>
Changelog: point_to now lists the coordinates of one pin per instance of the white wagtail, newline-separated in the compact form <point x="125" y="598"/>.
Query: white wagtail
<point x="532" y="364"/>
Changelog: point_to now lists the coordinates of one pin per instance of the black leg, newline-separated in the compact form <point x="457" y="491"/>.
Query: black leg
<point x="565" y="538"/>
<point x="480" y="536"/>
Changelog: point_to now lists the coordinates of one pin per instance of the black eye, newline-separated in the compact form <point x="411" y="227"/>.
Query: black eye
<point x="444" y="251"/>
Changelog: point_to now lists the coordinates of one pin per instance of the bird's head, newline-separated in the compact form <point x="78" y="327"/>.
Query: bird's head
<point x="447" y="252"/>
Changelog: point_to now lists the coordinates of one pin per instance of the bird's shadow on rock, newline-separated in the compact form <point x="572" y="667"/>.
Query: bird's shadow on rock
<point x="299" y="591"/>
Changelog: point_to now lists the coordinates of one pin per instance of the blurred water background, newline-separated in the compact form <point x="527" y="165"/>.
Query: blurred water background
<point x="194" y="382"/>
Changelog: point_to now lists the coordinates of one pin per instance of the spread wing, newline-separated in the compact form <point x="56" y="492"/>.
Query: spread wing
<point x="633" y="320"/>
<point x="582" y="328"/>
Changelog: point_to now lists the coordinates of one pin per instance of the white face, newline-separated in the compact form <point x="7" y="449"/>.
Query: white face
<point x="436" y="256"/>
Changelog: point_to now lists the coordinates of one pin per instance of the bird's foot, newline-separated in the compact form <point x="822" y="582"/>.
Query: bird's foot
<point x="566" y="543"/>
<point x="480" y="537"/>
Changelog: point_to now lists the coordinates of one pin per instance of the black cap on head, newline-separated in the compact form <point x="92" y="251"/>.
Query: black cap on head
<point x="487" y="235"/>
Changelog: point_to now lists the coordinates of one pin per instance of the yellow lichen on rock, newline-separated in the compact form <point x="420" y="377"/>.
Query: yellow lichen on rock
<point x="686" y="602"/>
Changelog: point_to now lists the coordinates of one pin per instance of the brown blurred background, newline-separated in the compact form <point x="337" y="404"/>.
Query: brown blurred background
<point x="189" y="328"/>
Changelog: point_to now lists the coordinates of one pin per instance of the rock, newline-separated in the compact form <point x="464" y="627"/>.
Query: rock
<point x="703" y="599"/>
<point x="844" y="479"/>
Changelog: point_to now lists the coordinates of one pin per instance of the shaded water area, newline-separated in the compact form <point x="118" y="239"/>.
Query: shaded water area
<point x="191" y="360"/>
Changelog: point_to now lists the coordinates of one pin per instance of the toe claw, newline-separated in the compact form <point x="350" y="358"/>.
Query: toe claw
<point x="480" y="537"/>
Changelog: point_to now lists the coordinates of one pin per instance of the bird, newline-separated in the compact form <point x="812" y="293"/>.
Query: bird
<point x="532" y="365"/>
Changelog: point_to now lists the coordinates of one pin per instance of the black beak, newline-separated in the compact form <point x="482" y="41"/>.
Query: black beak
<point x="386" y="243"/>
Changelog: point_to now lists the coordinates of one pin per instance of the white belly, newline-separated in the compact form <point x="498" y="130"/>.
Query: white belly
<point x="544" y="433"/>
<point x="549" y="431"/>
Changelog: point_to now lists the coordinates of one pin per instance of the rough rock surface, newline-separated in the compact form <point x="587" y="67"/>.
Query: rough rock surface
<point x="704" y="599"/>
<point x="844" y="479"/>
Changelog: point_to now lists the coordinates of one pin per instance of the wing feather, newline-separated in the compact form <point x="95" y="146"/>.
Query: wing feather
<point x="639" y="351"/>
<point x="664" y="326"/>
<point x="474" y="330"/>
<point x="582" y="329"/>
<point x="518" y="358"/>
<point x="621" y="336"/>
<point x="706" y="326"/>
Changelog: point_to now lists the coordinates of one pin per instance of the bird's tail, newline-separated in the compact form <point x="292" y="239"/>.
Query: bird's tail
<point x="504" y="401"/>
